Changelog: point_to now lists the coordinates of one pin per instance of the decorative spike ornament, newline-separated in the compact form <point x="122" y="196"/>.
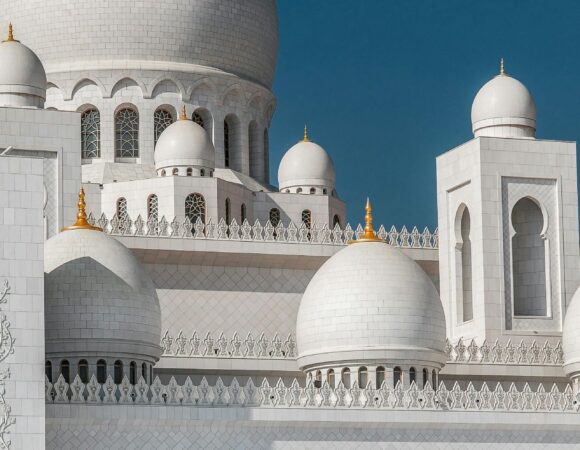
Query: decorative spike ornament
<point x="10" y="37"/>
<point x="183" y="113"/>
<point x="306" y="138"/>
<point x="369" y="234"/>
<point x="501" y="67"/>
<point x="82" y="222"/>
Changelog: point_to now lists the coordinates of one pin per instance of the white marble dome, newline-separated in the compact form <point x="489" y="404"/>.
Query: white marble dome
<point x="237" y="37"/>
<point x="571" y="338"/>
<point x="504" y="107"/>
<point x="22" y="76"/>
<point x="99" y="301"/>
<point x="370" y="304"/>
<point x="306" y="166"/>
<point x="182" y="145"/>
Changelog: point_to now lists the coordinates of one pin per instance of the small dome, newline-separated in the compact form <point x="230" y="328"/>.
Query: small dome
<point x="22" y="76"/>
<point x="306" y="165"/>
<point x="571" y="338"/>
<point x="370" y="304"/>
<point x="99" y="301"/>
<point x="184" y="144"/>
<point x="504" y="107"/>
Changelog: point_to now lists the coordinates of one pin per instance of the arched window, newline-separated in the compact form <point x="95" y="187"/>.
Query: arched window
<point x="122" y="213"/>
<point x="202" y="172"/>
<point x="312" y="191"/>
<point x="434" y="379"/>
<point x="133" y="372"/>
<point x="228" y="211"/>
<point x="198" y="119"/>
<point x="163" y="173"/>
<point x="362" y="377"/>
<point x="118" y="372"/>
<point x="127" y="133"/>
<point x="84" y="370"/>
<point x="153" y="207"/>
<point x="255" y="151"/>
<point x="466" y="271"/>
<point x="91" y="134"/>
<point x="318" y="379"/>
<point x="48" y="370"/>
<point x="175" y="171"/>
<point x="226" y="144"/>
<point x="425" y="378"/>
<point x="144" y="371"/>
<point x="346" y="377"/>
<point x="274" y="217"/>
<point x="397" y="376"/>
<point x="299" y="191"/>
<point x="324" y="191"/>
<point x="189" y="172"/>
<point x="307" y="218"/>
<point x="161" y="120"/>
<point x="380" y="376"/>
<point x="335" y="221"/>
<point x="65" y="370"/>
<point x="529" y="260"/>
<point x="195" y="208"/>
<point x="412" y="375"/>
<point x="101" y="371"/>
<point x="330" y="378"/>
<point x="243" y="212"/>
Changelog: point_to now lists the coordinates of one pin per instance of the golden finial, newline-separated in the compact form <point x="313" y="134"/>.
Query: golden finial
<point x="183" y="113"/>
<point x="10" y="37"/>
<point x="82" y="222"/>
<point x="305" y="139"/>
<point x="501" y="67"/>
<point x="369" y="235"/>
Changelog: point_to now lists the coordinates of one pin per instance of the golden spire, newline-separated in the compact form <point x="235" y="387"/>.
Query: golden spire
<point x="501" y="67"/>
<point x="305" y="139"/>
<point x="82" y="223"/>
<point x="10" y="37"/>
<point x="369" y="235"/>
<point x="183" y="113"/>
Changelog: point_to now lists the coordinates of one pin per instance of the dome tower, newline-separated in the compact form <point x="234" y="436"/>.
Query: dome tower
<point x="102" y="314"/>
<point x="22" y="76"/>
<point x="371" y="314"/>
<point x="504" y="107"/>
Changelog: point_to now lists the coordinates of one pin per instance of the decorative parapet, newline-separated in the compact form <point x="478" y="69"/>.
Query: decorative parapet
<point x="291" y="233"/>
<point x="505" y="353"/>
<point x="207" y="347"/>
<point x="294" y="395"/>
<point x="6" y="349"/>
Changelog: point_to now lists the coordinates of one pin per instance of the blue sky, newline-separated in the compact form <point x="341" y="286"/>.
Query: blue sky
<point x="386" y="86"/>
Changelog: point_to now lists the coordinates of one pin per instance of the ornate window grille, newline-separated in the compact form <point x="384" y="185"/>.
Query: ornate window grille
<point x="198" y="119"/>
<point x="307" y="218"/>
<point x="161" y="120"/>
<point x="195" y="208"/>
<point x="127" y="133"/>
<point x="122" y="213"/>
<point x="90" y="134"/>
<point x="274" y="217"/>
<point x="153" y="207"/>
<point x="226" y="144"/>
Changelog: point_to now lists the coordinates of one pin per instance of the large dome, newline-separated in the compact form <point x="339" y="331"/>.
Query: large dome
<point x="239" y="37"/>
<point x="99" y="301"/>
<point x="504" y="107"/>
<point x="370" y="304"/>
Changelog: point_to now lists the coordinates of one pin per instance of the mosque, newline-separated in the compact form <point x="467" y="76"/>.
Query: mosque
<point x="158" y="291"/>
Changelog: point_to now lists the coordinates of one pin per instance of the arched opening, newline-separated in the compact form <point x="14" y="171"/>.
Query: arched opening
<point x="307" y="218"/>
<point x="299" y="191"/>
<point x="162" y="118"/>
<point x="466" y="268"/>
<point x="175" y="171"/>
<point x="83" y="370"/>
<point x="228" y="211"/>
<point x="397" y="376"/>
<point x="380" y="376"/>
<point x="529" y="260"/>
<point x="335" y="221"/>
<point x="425" y="377"/>
<point x="204" y="119"/>
<point x="189" y="172"/>
<point x="101" y="371"/>
<point x="195" y="208"/>
<point x="202" y="172"/>
<point x="434" y="379"/>
<point x="412" y="376"/>
<point x="226" y="144"/>
<point x="163" y="173"/>
<point x="144" y="371"/>
<point x="346" y="377"/>
<point x="133" y="372"/>
<point x="243" y="212"/>
<point x="48" y="370"/>
<point x="127" y="133"/>
<point x="153" y="207"/>
<point x="121" y="208"/>
<point x="91" y="133"/>
<point x="118" y="372"/>
<point x="324" y="191"/>
<point x="274" y="217"/>
<point x="256" y="158"/>
<point x="362" y="377"/>
<point x="330" y="378"/>
<point x="65" y="370"/>
<point x="232" y="143"/>
<point x="318" y="379"/>
<point x="312" y="191"/>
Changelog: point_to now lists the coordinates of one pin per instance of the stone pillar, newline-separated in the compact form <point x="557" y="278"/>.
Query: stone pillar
<point x="372" y="376"/>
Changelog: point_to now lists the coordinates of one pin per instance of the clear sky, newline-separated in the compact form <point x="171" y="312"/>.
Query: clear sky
<point x="385" y="86"/>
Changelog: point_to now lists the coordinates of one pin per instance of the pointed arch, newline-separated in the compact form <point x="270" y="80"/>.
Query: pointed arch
<point x="84" y="82"/>
<point x="165" y="84"/>
<point x="232" y="96"/>
<point x="125" y="83"/>
<point x="201" y="91"/>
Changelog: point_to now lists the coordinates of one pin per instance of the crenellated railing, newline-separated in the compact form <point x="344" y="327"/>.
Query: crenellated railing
<point x="206" y="345"/>
<point x="296" y="396"/>
<point x="290" y="233"/>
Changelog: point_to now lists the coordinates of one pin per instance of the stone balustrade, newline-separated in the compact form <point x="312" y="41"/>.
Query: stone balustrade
<point x="291" y="233"/>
